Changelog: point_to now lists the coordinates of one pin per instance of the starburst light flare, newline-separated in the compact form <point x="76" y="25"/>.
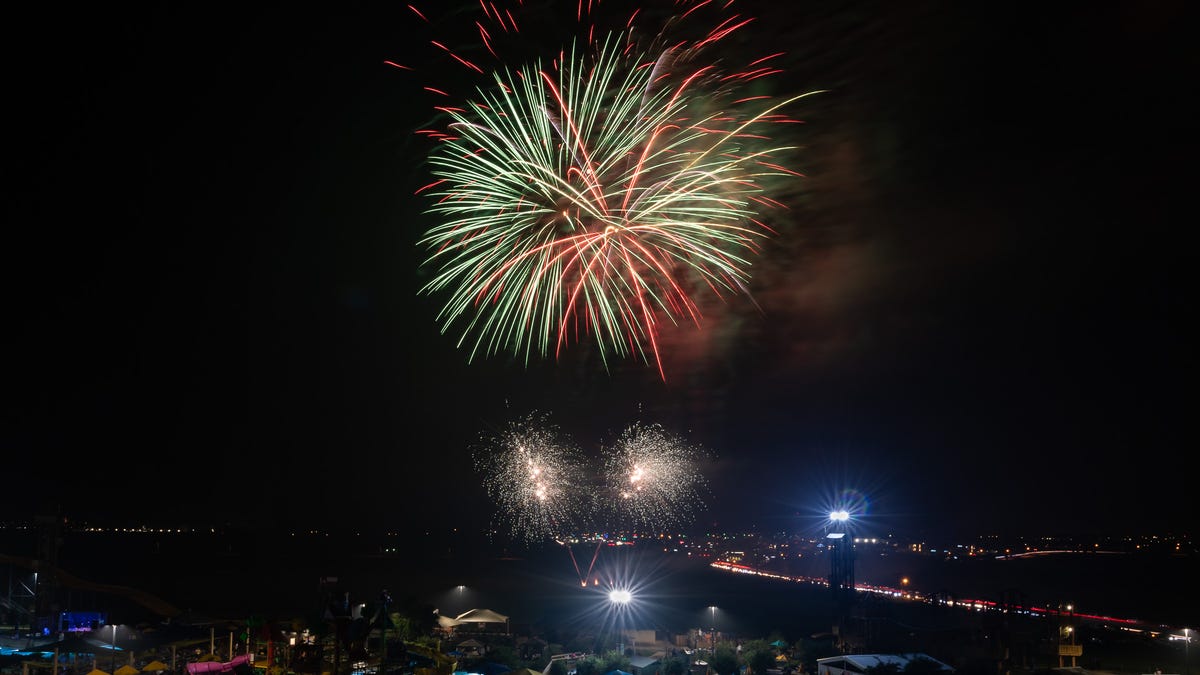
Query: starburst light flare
<point x="596" y="194"/>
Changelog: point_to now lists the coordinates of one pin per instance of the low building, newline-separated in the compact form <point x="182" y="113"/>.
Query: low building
<point x="645" y="665"/>
<point x="856" y="664"/>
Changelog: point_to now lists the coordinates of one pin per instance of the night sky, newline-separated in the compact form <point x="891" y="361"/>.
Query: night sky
<point x="974" y="319"/>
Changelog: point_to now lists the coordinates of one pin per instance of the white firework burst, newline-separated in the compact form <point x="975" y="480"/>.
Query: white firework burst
<point x="653" y="479"/>
<point x="533" y="474"/>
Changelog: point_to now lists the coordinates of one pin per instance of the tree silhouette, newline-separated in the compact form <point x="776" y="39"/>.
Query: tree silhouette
<point x="724" y="659"/>
<point x="759" y="655"/>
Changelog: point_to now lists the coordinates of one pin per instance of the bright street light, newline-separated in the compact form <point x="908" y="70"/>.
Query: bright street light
<point x="1187" y="640"/>
<point x="619" y="600"/>
<point x="713" y="632"/>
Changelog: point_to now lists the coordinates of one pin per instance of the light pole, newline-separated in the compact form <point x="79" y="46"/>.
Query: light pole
<point x="619" y="600"/>
<point x="841" y="571"/>
<point x="1187" y="641"/>
<point x="113" y="660"/>
<point x="712" y="642"/>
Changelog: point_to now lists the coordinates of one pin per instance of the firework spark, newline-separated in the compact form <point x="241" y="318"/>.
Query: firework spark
<point x="533" y="474"/>
<point x="654" y="479"/>
<point x="596" y="194"/>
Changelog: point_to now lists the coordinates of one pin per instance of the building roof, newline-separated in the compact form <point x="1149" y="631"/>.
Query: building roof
<point x="862" y="662"/>
<point x="481" y="616"/>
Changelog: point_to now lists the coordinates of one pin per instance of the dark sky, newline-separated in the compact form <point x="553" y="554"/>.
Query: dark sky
<point x="974" y="319"/>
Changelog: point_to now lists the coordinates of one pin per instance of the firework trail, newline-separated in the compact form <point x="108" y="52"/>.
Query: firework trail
<point x="534" y="475"/>
<point x="654" y="480"/>
<point x="594" y="194"/>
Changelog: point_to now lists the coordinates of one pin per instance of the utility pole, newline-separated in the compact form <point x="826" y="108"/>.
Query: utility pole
<point x="385" y="602"/>
<point x="1066" y="637"/>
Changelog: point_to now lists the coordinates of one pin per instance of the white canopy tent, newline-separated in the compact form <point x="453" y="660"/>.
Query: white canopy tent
<point x="475" y="619"/>
<point x="481" y="616"/>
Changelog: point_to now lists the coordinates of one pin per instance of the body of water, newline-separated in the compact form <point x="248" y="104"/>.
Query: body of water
<point x="288" y="577"/>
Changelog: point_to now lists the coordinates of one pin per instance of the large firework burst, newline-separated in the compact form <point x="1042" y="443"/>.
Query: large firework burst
<point x="595" y="194"/>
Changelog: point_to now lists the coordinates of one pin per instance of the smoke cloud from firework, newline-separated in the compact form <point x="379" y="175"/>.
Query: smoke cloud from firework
<point x="544" y="488"/>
